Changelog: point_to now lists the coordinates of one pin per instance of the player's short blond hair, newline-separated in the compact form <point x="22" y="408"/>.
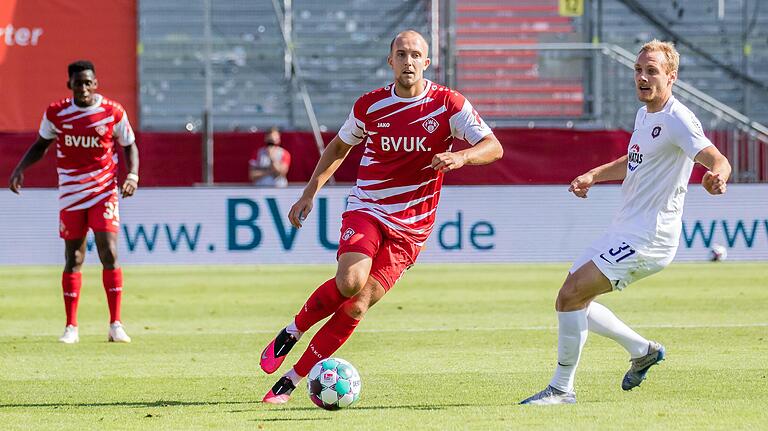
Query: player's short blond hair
<point x="671" y="55"/>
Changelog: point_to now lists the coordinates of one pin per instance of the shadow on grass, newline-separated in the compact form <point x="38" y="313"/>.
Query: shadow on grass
<point x="291" y="419"/>
<point x="168" y="403"/>
<point x="424" y="407"/>
<point x="138" y="404"/>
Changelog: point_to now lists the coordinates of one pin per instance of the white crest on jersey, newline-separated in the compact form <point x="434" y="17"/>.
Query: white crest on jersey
<point x="430" y="124"/>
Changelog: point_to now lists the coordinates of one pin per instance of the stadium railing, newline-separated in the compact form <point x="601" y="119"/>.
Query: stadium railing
<point x="608" y="100"/>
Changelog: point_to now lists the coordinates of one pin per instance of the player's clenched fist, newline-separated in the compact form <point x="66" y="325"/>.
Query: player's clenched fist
<point x="17" y="179"/>
<point x="580" y="186"/>
<point x="713" y="183"/>
<point x="299" y="211"/>
<point x="445" y="162"/>
<point x="129" y="187"/>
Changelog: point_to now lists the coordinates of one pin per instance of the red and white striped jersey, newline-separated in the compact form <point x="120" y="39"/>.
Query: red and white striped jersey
<point x="86" y="160"/>
<point x="395" y="180"/>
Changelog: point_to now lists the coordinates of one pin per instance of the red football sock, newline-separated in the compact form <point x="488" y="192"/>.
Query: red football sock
<point x="322" y="303"/>
<point x="327" y="341"/>
<point x="70" y="284"/>
<point x="113" y="286"/>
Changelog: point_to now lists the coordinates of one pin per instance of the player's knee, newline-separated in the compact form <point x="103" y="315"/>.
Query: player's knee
<point x="72" y="265"/>
<point x="355" y="309"/>
<point x="569" y="296"/>
<point x="108" y="257"/>
<point x="73" y="261"/>
<point x="350" y="283"/>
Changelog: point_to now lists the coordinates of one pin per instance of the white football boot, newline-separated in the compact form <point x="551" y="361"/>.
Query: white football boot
<point x="70" y="335"/>
<point x="551" y="396"/>
<point x="117" y="333"/>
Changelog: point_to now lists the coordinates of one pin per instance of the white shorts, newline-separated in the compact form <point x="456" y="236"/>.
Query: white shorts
<point x="622" y="263"/>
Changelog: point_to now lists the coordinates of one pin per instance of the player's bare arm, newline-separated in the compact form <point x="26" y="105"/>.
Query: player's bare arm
<point x="132" y="179"/>
<point x="487" y="150"/>
<point x="714" y="181"/>
<point x="35" y="152"/>
<point x="615" y="170"/>
<point x="329" y="162"/>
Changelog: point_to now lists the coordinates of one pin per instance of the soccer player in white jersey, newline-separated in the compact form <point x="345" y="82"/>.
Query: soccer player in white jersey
<point x="407" y="128"/>
<point x="86" y="128"/>
<point x="644" y="235"/>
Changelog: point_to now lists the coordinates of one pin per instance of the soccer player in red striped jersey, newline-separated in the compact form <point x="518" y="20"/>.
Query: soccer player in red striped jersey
<point x="86" y="128"/>
<point x="407" y="128"/>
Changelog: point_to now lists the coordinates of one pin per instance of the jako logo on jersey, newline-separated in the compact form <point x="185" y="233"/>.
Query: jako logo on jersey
<point x="656" y="131"/>
<point x="407" y="143"/>
<point x="101" y="130"/>
<point x="382" y="125"/>
<point x="634" y="157"/>
<point x="347" y="234"/>
<point x="430" y="124"/>
<point x="82" y="141"/>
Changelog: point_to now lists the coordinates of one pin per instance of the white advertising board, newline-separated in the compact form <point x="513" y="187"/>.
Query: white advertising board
<point x="474" y="224"/>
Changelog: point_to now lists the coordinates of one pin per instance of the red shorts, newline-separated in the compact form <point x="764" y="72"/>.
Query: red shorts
<point x="102" y="217"/>
<point x="391" y="252"/>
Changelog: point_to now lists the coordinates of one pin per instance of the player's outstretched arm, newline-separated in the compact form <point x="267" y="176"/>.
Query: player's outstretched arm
<point x="615" y="170"/>
<point x="329" y="162"/>
<point x="714" y="181"/>
<point x="35" y="152"/>
<point x="486" y="150"/>
<point x="132" y="162"/>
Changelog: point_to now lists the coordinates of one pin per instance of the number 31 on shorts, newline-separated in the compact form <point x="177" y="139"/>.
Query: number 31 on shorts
<point x="617" y="254"/>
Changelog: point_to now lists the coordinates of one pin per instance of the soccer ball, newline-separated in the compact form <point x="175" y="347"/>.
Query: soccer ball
<point x="718" y="253"/>
<point x="333" y="384"/>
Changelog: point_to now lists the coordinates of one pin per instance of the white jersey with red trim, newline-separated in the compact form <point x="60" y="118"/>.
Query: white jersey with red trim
<point x="395" y="180"/>
<point x="86" y="160"/>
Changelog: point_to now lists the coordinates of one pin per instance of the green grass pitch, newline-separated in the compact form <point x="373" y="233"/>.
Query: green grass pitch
<point x="450" y="347"/>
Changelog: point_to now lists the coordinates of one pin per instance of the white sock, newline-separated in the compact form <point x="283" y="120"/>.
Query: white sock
<point x="572" y="334"/>
<point x="293" y="330"/>
<point x="295" y="378"/>
<point x="602" y="321"/>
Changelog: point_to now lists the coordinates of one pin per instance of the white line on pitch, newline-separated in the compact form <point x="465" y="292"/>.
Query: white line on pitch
<point x="492" y="329"/>
<point x="161" y="331"/>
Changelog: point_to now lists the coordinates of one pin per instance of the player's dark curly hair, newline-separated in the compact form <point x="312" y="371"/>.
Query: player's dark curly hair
<point x="79" y="66"/>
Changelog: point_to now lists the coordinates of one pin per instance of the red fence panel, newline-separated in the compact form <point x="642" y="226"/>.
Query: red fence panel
<point x="531" y="156"/>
